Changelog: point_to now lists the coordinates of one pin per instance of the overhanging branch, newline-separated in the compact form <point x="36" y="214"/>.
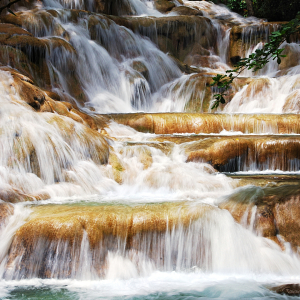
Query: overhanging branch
<point x="8" y="5"/>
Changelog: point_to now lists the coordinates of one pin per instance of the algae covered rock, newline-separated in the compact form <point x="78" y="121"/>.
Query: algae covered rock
<point x="243" y="152"/>
<point x="170" y="123"/>
<point x="61" y="230"/>
<point x="272" y="212"/>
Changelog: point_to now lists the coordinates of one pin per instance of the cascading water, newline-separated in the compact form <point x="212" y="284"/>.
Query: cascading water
<point x="145" y="205"/>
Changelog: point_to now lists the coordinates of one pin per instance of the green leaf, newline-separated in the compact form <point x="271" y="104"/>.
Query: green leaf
<point x="215" y="105"/>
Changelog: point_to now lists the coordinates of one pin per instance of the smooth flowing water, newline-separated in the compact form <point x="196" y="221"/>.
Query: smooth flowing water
<point x="138" y="209"/>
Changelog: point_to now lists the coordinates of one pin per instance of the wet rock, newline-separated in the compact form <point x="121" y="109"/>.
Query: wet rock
<point x="61" y="230"/>
<point x="140" y="67"/>
<point x="101" y="121"/>
<point x="14" y="196"/>
<point x="115" y="7"/>
<point x="287" y="289"/>
<point x="170" y="123"/>
<point x="16" y="59"/>
<point x="56" y="42"/>
<point x="98" y="21"/>
<point x="7" y="30"/>
<point x="30" y="55"/>
<point x="176" y="35"/>
<point x="31" y="94"/>
<point x="274" y="212"/>
<point x="244" y="151"/>
<point x="258" y="86"/>
<point x="145" y="157"/>
<point x="203" y="61"/>
<point x="140" y="122"/>
<point x="36" y="21"/>
<point x="241" y="212"/>
<point x="296" y="84"/>
<point x="292" y="57"/>
<point x="117" y="167"/>
<point x="43" y="195"/>
<point x="287" y="215"/>
<point x="257" y="218"/>
<point x="186" y="11"/>
<point x="210" y="150"/>
<point x="164" y="6"/>
<point x="17" y="74"/>
<point x="198" y="93"/>
<point x="292" y="103"/>
<point x="41" y="100"/>
<point x="53" y="95"/>
<point x="95" y="142"/>
<point x="243" y="38"/>
<point x="265" y="180"/>
<point x="165" y="147"/>
<point x="16" y="37"/>
<point x="6" y="210"/>
<point x="265" y="221"/>
<point x="87" y="119"/>
<point x="185" y="68"/>
<point x="33" y="47"/>
<point x="12" y="19"/>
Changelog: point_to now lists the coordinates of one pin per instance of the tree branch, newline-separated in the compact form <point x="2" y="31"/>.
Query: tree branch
<point x="8" y="5"/>
<point x="257" y="60"/>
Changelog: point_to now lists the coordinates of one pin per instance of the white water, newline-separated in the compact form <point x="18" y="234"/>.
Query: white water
<point x="69" y="167"/>
<point x="12" y="224"/>
<point x="120" y="71"/>
<point x="36" y="153"/>
<point x="206" y="246"/>
<point x="37" y="156"/>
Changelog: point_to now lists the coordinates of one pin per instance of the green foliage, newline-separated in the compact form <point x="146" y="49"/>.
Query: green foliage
<point x="272" y="10"/>
<point x="240" y="6"/>
<point x="256" y="60"/>
<point x="277" y="10"/>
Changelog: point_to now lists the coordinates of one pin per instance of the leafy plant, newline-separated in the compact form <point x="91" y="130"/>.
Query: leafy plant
<point x="256" y="60"/>
<point x="239" y="6"/>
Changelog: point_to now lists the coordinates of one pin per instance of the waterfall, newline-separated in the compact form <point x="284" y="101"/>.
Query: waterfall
<point x="117" y="179"/>
<point x="201" y="242"/>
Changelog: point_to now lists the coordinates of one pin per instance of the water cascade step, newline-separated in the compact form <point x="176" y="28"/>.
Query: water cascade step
<point x="170" y="123"/>
<point x="118" y="180"/>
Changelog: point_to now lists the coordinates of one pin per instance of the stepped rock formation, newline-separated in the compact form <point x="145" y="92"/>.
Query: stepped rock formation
<point x="105" y="227"/>
<point x="208" y="123"/>
<point x="243" y="153"/>
<point x="271" y="212"/>
<point x="181" y="36"/>
<point x="114" y="166"/>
